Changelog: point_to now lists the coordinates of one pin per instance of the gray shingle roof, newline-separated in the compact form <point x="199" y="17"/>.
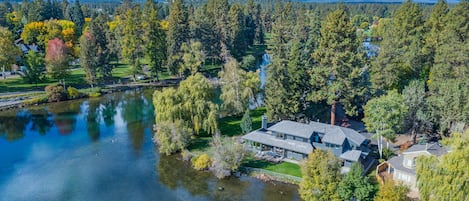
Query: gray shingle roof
<point x="434" y="149"/>
<point x="293" y="128"/>
<point x="351" y="155"/>
<point x="264" y="138"/>
<point x="397" y="163"/>
<point x="337" y="135"/>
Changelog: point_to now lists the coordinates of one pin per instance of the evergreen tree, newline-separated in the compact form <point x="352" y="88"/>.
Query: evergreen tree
<point x="246" y="122"/>
<point x="88" y="59"/>
<point x="321" y="177"/>
<point x="417" y="118"/>
<point x="337" y="76"/>
<point x="449" y="74"/>
<point x="236" y="38"/>
<point x="77" y="17"/>
<point x="99" y="29"/>
<point x="277" y="94"/>
<point x="132" y="40"/>
<point x="34" y="68"/>
<point x="401" y="58"/>
<point x="434" y="27"/>
<point x="177" y="33"/>
<point x="154" y="39"/>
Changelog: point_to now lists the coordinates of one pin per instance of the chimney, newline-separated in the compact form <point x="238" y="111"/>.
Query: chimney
<point x="333" y="113"/>
<point x="264" y="122"/>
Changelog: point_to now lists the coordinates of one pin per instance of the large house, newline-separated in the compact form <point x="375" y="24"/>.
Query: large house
<point x="402" y="168"/>
<point x="293" y="140"/>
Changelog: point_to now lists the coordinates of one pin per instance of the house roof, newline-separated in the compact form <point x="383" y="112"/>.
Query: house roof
<point x="333" y="134"/>
<point x="293" y="128"/>
<point x="433" y="149"/>
<point x="397" y="163"/>
<point x="337" y="135"/>
<point x="351" y="155"/>
<point x="293" y="145"/>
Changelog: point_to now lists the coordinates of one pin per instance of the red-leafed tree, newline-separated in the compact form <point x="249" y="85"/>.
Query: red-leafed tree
<point x="57" y="59"/>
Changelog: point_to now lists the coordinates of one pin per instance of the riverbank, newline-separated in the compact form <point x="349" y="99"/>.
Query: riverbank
<point x="22" y="99"/>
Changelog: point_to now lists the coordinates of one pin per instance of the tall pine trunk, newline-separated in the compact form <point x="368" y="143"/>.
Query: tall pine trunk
<point x="333" y="109"/>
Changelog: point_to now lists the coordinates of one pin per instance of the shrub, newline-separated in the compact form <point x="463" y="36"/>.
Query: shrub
<point x="73" y="93"/>
<point x="186" y="155"/>
<point x="36" y="100"/>
<point x="94" y="94"/>
<point x="56" y="93"/>
<point x="202" y="162"/>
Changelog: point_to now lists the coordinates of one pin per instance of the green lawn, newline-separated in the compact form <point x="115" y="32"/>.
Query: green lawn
<point x="230" y="126"/>
<point x="283" y="168"/>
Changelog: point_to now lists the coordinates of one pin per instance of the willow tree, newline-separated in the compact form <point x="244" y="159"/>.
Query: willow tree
<point x="445" y="178"/>
<point x="192" y="103"/>
<point x="337" y="76"/>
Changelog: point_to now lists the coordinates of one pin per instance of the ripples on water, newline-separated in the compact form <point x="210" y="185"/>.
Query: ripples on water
<point x="101" y="149"/>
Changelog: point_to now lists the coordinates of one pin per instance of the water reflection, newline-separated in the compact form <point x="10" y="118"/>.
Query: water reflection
<point x="13" y="125"/>
<point x="64" y="115"/>
<point x="179" y="175"/>
<point x="101" y="149"/>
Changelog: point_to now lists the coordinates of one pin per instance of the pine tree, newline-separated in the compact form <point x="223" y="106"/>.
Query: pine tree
<point x="337" y="76"/>
<point x="448" y="76"/>
<point x="434" y="27"/>
<point x="132" y="42"/>
<point x="154" y="38"/>
<point x="177" y="33"/>
<point x="99" y="29"/>
<point x="236" y="38"/>
<point x="34" y="68"/>
<point x="77" y="17"/>
<point x="401" y="59"/>
<point x="88" y="59"/>
<point x="246" y="122"/>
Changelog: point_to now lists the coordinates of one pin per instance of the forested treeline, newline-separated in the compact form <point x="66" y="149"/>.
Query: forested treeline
<point x="317" y="51"/>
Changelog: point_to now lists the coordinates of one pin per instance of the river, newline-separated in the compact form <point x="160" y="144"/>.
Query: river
<point x="102" y="149"/>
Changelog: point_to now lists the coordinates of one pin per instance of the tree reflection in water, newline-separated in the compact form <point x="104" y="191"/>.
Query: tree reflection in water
<point x="177" y="174"/>
<point x="13" y="125"/>
<point x="64" y="115"/>
<point x="137" y="112"/>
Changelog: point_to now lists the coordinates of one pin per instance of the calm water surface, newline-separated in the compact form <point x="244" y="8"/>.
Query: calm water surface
<point x="101" y="149"/>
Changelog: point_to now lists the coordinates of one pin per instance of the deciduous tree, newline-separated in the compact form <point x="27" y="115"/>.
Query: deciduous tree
<point x="356" y="186"/>
<point x="8" y="50"/>
<point x="385" y="116"/>
<point x="445" y="178"/>
<point x="57" y="59"/>
<point x="321" y="177"/>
